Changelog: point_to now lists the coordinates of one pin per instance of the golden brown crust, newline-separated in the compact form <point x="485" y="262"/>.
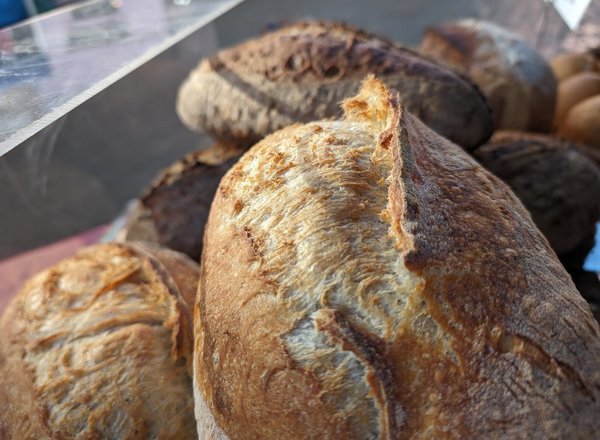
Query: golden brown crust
<point x="173" y="210"/>
<point x="567" y="64"/>
<point x="581" y="123"/>
<point x="99" y="346"/>
<point x="516" y="80"/>
<point x="573" y="90"/>
<point x="558" y="184"/>
<point x="303" y="71"/>
<point x="366" y="279"/>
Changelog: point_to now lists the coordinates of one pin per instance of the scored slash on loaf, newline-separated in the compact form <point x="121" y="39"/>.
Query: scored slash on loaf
<point x="366" y="279"/>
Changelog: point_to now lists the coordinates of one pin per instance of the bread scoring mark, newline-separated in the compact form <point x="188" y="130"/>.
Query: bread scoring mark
<point x="316" y="346"/>
<point x="535" y="355"/>
<point x="352" y="183"/>
<point x="236" y="82"/>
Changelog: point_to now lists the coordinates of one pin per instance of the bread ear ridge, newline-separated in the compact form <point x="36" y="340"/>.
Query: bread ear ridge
<point x="382" y="107"/>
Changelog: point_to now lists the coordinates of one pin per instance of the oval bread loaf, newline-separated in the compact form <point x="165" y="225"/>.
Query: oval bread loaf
<point x="366" y="279"/>
<point x="173" y="210"/>
<point x="99" y="346"/>
<point x="303" y="71"/>
<point x="516" y="80"/>
<point x="558" y="185"/>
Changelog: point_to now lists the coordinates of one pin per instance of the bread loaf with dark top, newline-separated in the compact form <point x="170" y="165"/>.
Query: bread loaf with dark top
<point x="367" y="279"/>
<point x="303" y="71"/>
<point x="173" y="210"/>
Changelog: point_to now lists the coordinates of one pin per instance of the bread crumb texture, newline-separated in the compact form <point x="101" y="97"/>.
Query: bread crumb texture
<point x="366" y="279"/>
<point x="97" y="347"/>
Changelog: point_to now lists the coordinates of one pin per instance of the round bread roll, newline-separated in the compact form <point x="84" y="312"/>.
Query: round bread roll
<point x="573" y="90"/>
<point x="174" y="209"/>
<point x="302" y="72"/>
<point x="100" y="347"/>
<point x="566" y="65"/>
<point x="558" y="185"/>
<point x="516" y="80"/>
<point x="582" y="123"/>
<point x="366" y="279"/>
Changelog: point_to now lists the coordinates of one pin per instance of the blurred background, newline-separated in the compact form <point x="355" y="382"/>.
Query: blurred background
<point x="81" y="170"/>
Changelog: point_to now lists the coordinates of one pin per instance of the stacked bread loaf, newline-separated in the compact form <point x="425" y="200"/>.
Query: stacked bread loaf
<point x="362" y="277"/>
<point x="382" y="284"/>
<point x="301" y="73"/>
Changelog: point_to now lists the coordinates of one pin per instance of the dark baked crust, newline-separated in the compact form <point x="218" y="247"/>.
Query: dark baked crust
<point x="99" y="346"/>
<point x="302" y="72"/>
<point x="173" y="210"/>
<point x="557" y="184"/>
<point x="442" y="313"/>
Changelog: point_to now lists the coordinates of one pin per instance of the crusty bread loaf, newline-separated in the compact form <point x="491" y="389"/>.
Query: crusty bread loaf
<point x="99" y="347"/>
<point x="516" y="80"/>
<point x="303" y="71"/>
<point x="173" y="210"/>
<point x="558" y="185"/>
<point x="366" y="279"/>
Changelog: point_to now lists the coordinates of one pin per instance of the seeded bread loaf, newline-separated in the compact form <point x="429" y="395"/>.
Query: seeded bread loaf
<point x="559" y="185"/>
<point x="100" y="347"/>
<point x="516" y="80"/>
<point x="173" y="210"/>
<point x="366" y="279"/>
<point x="303" y="71"/>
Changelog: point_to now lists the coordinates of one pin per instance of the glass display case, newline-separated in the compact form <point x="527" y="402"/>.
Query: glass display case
<point x="87" y="97"/>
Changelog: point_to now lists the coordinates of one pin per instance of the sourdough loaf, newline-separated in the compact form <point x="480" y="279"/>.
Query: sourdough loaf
<point x="516" y="80"/>
<point x="558" y="184"/>
<point x="172" y="211"/>
<point x="303" y="71"/>
<point x="366" y="279"/>
<point x="99" y="347"/>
